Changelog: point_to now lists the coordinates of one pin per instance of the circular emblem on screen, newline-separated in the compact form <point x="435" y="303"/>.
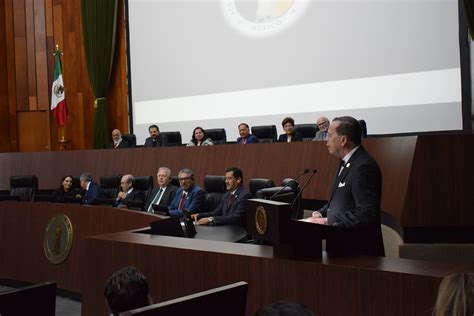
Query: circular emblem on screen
<point x="58" y="239"/>
<point x="261" y="220"/>
<point x="262" y="17"/>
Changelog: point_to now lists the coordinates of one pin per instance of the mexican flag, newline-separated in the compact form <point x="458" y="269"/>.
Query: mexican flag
<point x="58" y="98"/>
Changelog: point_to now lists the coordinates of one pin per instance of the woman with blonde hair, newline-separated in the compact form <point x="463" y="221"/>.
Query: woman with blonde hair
<point x="455" y="295"/>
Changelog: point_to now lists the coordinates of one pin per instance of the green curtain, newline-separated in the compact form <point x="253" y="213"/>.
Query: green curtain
<point x="469" y="8"/>
<point x="99" y="18"/>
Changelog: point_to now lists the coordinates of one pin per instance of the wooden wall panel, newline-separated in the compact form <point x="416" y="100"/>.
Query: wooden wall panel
<point x="34" y="136"/>
<point x="4" y="110"/>
<point x="32" y="29"/>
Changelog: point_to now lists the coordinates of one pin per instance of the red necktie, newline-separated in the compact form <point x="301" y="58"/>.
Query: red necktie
<point x="230" y="199"/>
<point x="183" y="197"/>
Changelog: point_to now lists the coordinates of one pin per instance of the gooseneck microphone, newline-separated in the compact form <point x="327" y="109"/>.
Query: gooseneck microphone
<point x="301" y="191"/>
<point x="288" y="183"/>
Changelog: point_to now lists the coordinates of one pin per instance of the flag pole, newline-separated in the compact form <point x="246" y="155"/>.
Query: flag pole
<point x="62" y="139"/>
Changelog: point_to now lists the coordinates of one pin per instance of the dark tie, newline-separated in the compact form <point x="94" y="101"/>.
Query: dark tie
<point x="155" y="200"/>
<point x="153" y="143"/>
<point x="183" y="197"/>
<point x="230" y="199"/>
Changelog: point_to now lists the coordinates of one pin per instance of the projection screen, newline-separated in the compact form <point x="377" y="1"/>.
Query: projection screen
<point x="393" y="63"/>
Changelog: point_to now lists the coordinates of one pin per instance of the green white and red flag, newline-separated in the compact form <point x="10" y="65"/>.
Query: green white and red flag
<point x="58" y="97"/>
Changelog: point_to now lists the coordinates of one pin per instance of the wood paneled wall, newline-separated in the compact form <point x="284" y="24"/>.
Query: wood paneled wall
<point x="29" y="31"/>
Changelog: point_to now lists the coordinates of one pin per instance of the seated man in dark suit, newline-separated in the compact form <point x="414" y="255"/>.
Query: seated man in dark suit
<point x="128" y="192"/>
<point x="245" y="136"/>
<point x="189" y="197"/>
<point x="156" y="139"/>
<point x="127" y="289"/>
<point x="231" y="210"/>
<point x="117" y="141"/>
<point x="356" y="193"/>
<point x="92" y="191"/>
<point x="164" y="193"/>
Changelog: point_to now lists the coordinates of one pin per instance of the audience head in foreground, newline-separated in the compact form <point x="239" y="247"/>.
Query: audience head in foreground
<point x="284" y="308"/>
<point x="455" y="295"/>
<point x="127" y="289"/>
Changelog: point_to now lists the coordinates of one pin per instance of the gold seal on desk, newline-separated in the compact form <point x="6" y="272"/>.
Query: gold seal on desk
<point x="58" y="239"/>
<point x="261" y="220"/>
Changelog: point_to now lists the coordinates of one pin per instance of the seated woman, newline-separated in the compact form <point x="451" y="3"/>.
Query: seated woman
<point x="65" y="191"/>
<point x="290" y="134"/>
<point x="199" y="138"/>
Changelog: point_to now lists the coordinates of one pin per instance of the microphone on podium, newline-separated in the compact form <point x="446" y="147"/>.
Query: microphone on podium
<point x="301" y="191"/>
<point x="288" y="184"/>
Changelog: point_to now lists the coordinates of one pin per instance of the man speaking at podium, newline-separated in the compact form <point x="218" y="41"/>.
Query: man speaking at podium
<point x="355" y="197"/>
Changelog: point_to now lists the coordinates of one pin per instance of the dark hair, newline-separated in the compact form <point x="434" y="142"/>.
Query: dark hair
<point x="350" y="128"/>
<point x="236" y="172"/>
<point x="127" y="289"/>
<point x="64" y="178"/>
<point x="193" y="138"/>
<point x="288" y="120"/>
<point x="284" y="308"/>
<point x="154" y="126"/>
<point x="245" y="124"/>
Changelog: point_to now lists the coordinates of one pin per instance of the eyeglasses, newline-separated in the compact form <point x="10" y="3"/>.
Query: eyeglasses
<point x="322" y="124"/>
<point x="184" y="179"/>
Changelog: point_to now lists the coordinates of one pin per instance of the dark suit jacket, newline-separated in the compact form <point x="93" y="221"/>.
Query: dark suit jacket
<point x="123" y="144"/>
<point x="91" y="195"/>
<point x="135" y="196"/>
<point x="295" y="138"/>
<point x="355" y="204"/>
<point x="193" y="203"/>
<point x="161" y="141"/>
<point x="166" y="199"/>
<point x="251" y="139"/>
<point x="235" y="214"/>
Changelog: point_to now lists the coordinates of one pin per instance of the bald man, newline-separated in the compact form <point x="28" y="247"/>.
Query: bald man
<point x="117" y="141"/>
<point x="323" y="125"/>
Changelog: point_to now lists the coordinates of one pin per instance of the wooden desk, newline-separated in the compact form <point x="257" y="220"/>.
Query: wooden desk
<point x="426" y="179"/>
<point x="181" y="266"/>
<point x="332" y="286"/>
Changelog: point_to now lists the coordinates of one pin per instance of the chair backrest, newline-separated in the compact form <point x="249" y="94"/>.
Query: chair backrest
<point x="265" y="133"/>
<point x="174" y="138"/>
<point x="131" y="139"/>
<point x="256" y="184"/>
<point x="23" y="187"/>
<point x="110" y="186"/>
<point x="175" y="181"/>
<point x="215" y="190"/>
<point x="307" y="131"/>
<point x="363" y="126"/>
<point x="29" y="300"/>
<point x="229" y="300"/>
<point x="144" y="184"/>
<point x="217" y="135"/>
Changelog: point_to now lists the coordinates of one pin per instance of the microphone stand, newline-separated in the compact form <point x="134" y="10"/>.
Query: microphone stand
<point x="288" y="184"/>
<point x="294" y="214"/>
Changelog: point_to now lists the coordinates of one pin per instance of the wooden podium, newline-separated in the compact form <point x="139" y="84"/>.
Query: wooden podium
<point x="270" y="222"/>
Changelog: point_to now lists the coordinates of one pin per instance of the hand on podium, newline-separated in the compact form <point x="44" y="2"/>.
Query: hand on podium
<point x="316" y="219"/>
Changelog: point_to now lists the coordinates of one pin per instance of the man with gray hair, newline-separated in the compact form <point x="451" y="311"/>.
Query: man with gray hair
<point x="92" y="191"/>
<point x="189" y="197"/>
<point x="164" y="193"/>
<point x="128" y="192"/>
<point x="323" y="125"/>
